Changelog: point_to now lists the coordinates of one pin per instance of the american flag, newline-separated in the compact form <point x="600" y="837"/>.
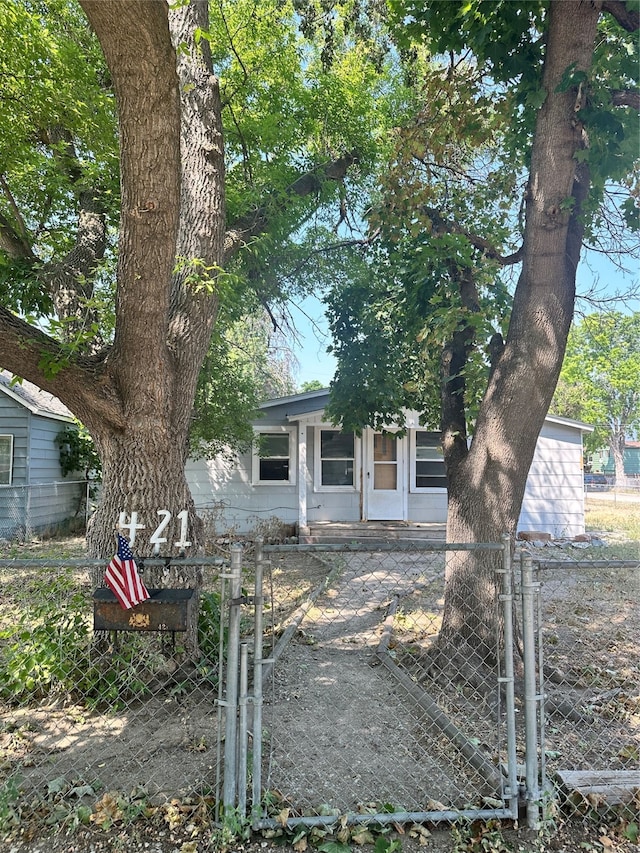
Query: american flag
<point x="123" y="579"/>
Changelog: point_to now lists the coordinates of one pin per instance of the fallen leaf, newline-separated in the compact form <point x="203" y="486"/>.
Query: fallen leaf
<point x="282" y="817"/>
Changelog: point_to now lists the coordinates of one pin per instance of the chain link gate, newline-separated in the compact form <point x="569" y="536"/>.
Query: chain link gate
<point x="581" y="621"/>
<point x="353" y="725"/>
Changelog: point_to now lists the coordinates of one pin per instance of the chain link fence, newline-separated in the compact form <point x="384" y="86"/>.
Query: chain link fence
<point x="106" y="721"/>
<point x="314" y="691"/>
<point x="587" y="622"/>
<point x="43" y="508"/>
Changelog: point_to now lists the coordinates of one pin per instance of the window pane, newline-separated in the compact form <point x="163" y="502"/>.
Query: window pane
<point x="384" y="448"/>
<point x="337" y="473"/>
<point x="385" y="476"/>
<point x="335" y="444"/>
<point x="274" y="469"/>
<point x="273" y="444"/>
<point x="6" y="445"/>
<point x="431" y="475"/>
<point x="428" y="445"/>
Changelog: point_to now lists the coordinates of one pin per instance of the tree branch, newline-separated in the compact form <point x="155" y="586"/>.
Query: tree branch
<point x="625" y="98"/>
<point x="255" y="223"/>
<point x="487" y="248"/>
<point x="15" y="241"/>
<point x="83" y="384"/>
<point x="629" y="19"/>
<point x="70" y="281"/>
<point x="12" y="243"/>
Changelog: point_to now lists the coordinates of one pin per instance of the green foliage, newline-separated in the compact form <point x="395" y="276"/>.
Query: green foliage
<point x="507" y="42"/>
<point x="57" y="138"/>
<point x="287" y="107"/>
<point x="78" y="452"/>
<point x="9" y="813"/>
<point x="445" y="206"/>
<point x="600" y="378"/>
<point x="390" y="324"/>
<point x="40" y="652"/>
<point x="209" y="630"/>
<point x="243" y="367"/>
<point x="49" y="651"/>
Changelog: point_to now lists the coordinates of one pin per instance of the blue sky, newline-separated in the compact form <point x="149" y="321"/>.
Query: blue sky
<point x="596" y="272"/>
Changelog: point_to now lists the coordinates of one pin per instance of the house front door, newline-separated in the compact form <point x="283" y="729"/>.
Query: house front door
<point x="385" y="478"/>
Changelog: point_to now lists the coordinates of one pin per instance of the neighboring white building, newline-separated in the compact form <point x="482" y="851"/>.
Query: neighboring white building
<point x="303" y="470"/>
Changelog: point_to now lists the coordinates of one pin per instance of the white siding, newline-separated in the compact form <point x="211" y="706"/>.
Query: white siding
<point x="428" y="507"/>
<point x="553" y="502"/>
<point x="223" y="487"/>
<point x="554" y="497"/>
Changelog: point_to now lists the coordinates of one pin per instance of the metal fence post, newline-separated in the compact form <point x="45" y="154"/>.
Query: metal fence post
<point x="256" y="779"/>
<point x="242" y="729"/>
<point x="509" y="679"/>
<point x="531" y="696"/>
<point x="231" y="697"/>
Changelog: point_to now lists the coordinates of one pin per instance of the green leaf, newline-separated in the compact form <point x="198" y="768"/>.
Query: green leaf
<point x="334" y="847"/>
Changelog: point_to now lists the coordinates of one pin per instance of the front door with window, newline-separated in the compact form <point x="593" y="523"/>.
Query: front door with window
<point x="385" y="478"/>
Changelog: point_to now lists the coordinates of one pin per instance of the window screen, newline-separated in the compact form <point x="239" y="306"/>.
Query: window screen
<point x="6" y="459"/>
<point x="273" y="453"/>
<point x="430" y="470"/>
<point x="336" y="457"/>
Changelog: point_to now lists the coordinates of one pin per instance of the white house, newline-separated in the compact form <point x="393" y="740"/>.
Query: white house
<point x="303" y="470"/>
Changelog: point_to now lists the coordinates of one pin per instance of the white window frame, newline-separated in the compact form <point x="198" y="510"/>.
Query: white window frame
<point x="10" y="437"/>
<point x="317" y="462"/>
<point x="412" y="482"/>
<point x="255" y="458"/>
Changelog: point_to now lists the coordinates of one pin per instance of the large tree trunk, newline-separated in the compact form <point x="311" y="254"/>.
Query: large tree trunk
<point x="486" y="485"/>
<point x="172" y="175"/>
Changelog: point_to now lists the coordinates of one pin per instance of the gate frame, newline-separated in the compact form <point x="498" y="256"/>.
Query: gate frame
<point x="234" y="801"/>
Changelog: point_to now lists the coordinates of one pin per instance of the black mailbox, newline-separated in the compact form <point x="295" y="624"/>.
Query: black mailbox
<point x="165" y="610"/>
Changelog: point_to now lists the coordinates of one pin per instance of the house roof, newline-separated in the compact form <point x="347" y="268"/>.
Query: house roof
<point x="34" y="399"/>
<point x="556" y="419"/>
<point x="305" y="395"/>
<point x="315" y="409"/>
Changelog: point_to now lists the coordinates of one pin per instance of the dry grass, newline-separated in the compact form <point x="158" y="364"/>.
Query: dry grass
<point x="619" y="524"/>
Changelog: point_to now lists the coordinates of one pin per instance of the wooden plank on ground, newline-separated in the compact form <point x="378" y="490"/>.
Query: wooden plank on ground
<point x="610" y="787"/>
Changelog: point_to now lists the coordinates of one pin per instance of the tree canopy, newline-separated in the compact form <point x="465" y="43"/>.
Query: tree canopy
<point x="447" y="227"/>
<point x="126" y="250"/>
<point x="600" y="380"/>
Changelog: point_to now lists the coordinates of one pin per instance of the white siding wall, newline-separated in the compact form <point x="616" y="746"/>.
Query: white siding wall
<point x="554" y="497"/>
<point x="428" y="507"/>
<point x="553" y="502"/>
<point x="223" y="487"/>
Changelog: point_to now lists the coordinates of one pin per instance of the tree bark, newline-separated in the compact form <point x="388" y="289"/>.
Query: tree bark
<point x="617" y="444"/>
<point x="486" y="485"/>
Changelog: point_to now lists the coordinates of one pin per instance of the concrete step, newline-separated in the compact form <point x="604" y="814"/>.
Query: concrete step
<point x="336" y="533"/>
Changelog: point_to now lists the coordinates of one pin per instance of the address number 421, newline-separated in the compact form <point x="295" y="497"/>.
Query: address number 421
<point x="156" y="538"/>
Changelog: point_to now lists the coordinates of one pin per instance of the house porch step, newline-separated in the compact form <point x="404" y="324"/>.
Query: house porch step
<point x="337" y="533"/>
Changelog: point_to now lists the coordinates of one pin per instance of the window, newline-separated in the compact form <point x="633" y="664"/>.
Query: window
<point x="430" y="471"/>
<point x="273" y="459"/>
<point x="385" y="462"/>
<point x="6" y="459"/>
<point x="337" y="456"/>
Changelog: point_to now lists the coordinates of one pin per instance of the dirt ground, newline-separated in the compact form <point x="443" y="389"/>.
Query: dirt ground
<point x="573" y="837"/>
<point x="340" y="725"/>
